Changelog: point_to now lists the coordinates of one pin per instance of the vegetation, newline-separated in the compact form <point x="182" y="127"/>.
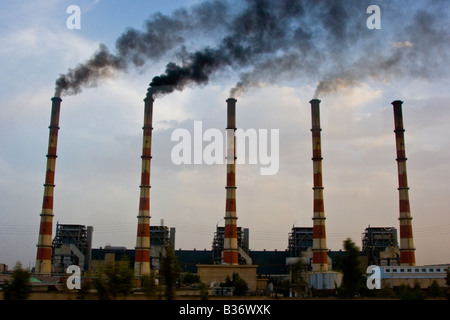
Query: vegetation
<point x="350" y="265"/>
<point x="170" y="271"/>
<point x="447" y="282"/>
<point x="115" y="280"/>
<point x="203" y="291"/>
<point x="434" y="290"/>
<point x="148" y="284"/>
<point x="240" y="285"/>
<point x="19" y="288"/>
<point x="408" y="293"/>
<point x="298" y="281"/>
<point x="190" y="278"/>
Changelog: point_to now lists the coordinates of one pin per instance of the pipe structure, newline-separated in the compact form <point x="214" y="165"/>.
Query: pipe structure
<point x="44" y="246"/>
<point x="407" y="254"/>
<point x="230" y="253"/>
<point x="320" y="260"/>
<point x="142" y="255"/>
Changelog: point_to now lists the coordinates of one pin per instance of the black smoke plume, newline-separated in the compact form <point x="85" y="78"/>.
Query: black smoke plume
<point x="269" y="41"/>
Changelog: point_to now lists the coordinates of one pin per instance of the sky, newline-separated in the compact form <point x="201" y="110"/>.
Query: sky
<point x="360" y="72"/>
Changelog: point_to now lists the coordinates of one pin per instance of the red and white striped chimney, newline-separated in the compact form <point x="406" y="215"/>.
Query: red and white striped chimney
<point x="407" y="255"/>
<point x="230" y="253"/>
<point x="142" y="253"/>
<point x="319" y="263"/>
<point x="44" y="246"/>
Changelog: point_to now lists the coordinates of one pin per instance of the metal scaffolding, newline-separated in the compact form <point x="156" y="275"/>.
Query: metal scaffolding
<point x="71" y="246"/>
<point x="218" y="244"/>
<point x="300" y="239"/>
<point x="375" y="242"/>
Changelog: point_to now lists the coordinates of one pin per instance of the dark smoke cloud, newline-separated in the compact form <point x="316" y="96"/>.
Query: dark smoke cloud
<point x="268" y="41"/>
<point x="101" y="65"/>
<point x="138" y="48"/>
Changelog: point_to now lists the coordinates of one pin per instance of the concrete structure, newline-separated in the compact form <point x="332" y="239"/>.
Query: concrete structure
<point x="242" y="241"/>
<point x="142" y="257"/>
<point x="269" y="263"/>
<point x="160" y="238"/>
<point x="44" y="246"/>
<point x="319" y="247"/>
<point x="307" y="257"/>
<point x="395" y="276"/>
<point x="230" y="252"/>
<point x="109" y="255"/>
<point x="407" y="255"/>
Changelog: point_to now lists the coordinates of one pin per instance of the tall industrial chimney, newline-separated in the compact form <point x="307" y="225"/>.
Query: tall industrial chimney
<point x="230" y="253"/>
<point x="44" y="246"/>
<point x="407" y="256"/>
<point x="319" y="263"/>
<point x="142" y="253"/>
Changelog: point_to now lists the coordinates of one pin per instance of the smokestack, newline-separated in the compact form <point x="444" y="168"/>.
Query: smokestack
<point x="407" y="256"/>
<point x="44" y="246"/>
<point x="142" y="255"/>
<point x="230" y="253"/>
<point x="319" y="263"/>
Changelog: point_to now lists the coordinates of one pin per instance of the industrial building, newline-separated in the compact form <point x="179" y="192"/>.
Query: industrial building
<point x="109" y="255"/>
<point x="394" y="276"/>
<point x="300" y="239"/>
<point x="270" y="265"/>
<point x="230" y="246"/>
<point x="71" y="246"/>
<point x="380" y="246"/>
<point x="160" y="238"/>
<point x="243" y="245"/>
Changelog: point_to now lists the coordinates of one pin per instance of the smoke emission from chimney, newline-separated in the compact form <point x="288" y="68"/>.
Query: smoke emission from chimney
<point x="323" y="42"/>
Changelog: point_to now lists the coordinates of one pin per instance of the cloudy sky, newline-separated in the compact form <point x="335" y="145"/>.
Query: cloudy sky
<point x="296" y="48"/>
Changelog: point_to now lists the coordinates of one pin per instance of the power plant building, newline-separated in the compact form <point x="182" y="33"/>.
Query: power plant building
<point x="71" y="246"/>
<point x="380" y="246"/>
<point x="230" y="251"/>
<point x="300" y="239"/>
<point x="218" y="244"/>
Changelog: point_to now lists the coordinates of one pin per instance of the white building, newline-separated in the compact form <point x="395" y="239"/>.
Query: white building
<point x="394" y="276"/>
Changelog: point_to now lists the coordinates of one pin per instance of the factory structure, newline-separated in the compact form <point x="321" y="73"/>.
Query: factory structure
<point x="230" y="253"/>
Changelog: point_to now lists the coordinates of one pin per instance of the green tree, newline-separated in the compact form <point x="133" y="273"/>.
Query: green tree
<point x="19" y="288"/>
<point x="408" y="293"/>
<point x="148" y="284"/>
<point x="298" y="282"/>
<point x="434" y="290"/>
<point x="350" y="265"/>
<point x="170" y="271"/>
<point x="124" y="277"/>
<point x="447" y="282"/>
<point x="189" y="278"/>
<point x="203" y="291"/>
<point x="239" y="284"/>
<point x="100" y="285"/>
<point x="115" y="280"/>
